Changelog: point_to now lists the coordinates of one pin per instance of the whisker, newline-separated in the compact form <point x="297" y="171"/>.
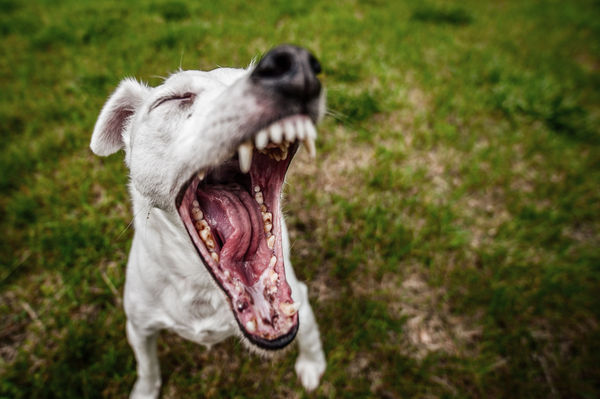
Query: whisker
<point x="181" y="61"/>
<point x="339" y="116"/>
<point x="131" y="223"/>
<point x="158" y="77"/>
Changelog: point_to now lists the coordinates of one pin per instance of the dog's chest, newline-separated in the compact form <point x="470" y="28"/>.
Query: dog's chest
<point x="207" y="331"/>
<point x="200" y="315"/>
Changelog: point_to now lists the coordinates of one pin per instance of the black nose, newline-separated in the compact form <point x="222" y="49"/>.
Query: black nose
<point x="289" y="70"/>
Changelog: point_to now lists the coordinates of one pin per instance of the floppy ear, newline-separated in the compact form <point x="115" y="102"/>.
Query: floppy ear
<point x="112" y="122"/>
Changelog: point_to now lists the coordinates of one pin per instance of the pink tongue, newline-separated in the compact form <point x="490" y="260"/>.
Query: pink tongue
<point x="235" y="218"/>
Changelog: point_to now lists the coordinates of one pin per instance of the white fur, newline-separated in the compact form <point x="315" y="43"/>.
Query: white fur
<point x="167" y="286"/>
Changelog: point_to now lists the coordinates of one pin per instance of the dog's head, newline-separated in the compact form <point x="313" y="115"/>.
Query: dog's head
<point x="214" y="147"/>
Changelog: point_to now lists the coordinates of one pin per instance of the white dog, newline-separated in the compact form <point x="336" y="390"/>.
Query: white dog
<point x="208" y="153"/>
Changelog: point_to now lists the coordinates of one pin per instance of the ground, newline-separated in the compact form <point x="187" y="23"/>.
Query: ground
<point x="448" y="230"/>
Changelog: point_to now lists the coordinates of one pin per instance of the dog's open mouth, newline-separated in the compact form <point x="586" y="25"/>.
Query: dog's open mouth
<point x="232" y="214"/>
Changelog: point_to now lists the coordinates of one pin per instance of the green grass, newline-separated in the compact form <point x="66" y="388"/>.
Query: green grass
<point x="448" y="230"/>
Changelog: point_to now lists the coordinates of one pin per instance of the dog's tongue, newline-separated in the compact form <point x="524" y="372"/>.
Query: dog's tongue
<point x="236" y="219"/>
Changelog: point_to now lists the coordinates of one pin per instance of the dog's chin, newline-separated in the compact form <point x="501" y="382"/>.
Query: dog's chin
<point x="255" y="349"/>
<point x="232" y="215"/>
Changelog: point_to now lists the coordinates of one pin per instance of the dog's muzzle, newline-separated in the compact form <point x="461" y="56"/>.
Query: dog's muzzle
<point x="289" y="72"/>
<point x="232" y="211"/>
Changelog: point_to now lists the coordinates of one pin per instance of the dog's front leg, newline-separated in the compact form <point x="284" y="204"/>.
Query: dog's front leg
<point x="147" y="385"/>
<point x="310" y="364"/>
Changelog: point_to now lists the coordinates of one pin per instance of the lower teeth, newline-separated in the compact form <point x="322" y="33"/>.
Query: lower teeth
<point x="203" y="230"/>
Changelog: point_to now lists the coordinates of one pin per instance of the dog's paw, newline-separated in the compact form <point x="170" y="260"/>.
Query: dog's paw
<point x="310" y="370"/>
<point x="145" y="388"/>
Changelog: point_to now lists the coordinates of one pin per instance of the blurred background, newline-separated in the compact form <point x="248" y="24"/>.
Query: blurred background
<point x="448" y="230"/>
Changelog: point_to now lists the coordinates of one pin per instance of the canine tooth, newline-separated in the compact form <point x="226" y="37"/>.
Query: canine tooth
<point x="259" y="198"/>
<point x="268" y="227"/>
<point x="267" y="217"/>
<point x="215" y="257"/>
<point x="289" y="131"/>
<point x="276" y="133"/>
<point x="271" y="242"/>
<point x="261" y="140"/>
<point x="250" y="326"/>
<point x="245" y="156"/>
<point x="272" y="261"/>
<point x="201" y="175"/>
<point x="309" y="144"/>
<point x="289" y="309"/>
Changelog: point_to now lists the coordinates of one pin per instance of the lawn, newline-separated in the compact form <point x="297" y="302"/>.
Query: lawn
<point x="448" y="230"/>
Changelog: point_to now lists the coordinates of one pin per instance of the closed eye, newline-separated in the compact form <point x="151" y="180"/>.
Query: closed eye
<point x="172" y="97"/>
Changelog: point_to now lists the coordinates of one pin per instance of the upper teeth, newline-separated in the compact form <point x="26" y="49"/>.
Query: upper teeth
<point x="261" y="140"/>
<point x="293" y="128"/>
<point x="289" y="130"/>
<point x="245" y="156"/>
<point x="276" y="133"/>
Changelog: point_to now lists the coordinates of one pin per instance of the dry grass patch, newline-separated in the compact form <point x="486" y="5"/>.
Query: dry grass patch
<point x="483" y="214"/>
<point x="430" y="326"/>
<point x="13" y="329"/>
<point x="26" y="321"/>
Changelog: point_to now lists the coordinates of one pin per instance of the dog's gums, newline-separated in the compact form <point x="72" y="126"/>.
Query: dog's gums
<point x="232" y="214"/>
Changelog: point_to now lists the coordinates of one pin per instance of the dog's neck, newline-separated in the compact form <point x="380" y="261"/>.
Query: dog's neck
<point x="164" y="225"/>
<point x="144" y="210"/>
